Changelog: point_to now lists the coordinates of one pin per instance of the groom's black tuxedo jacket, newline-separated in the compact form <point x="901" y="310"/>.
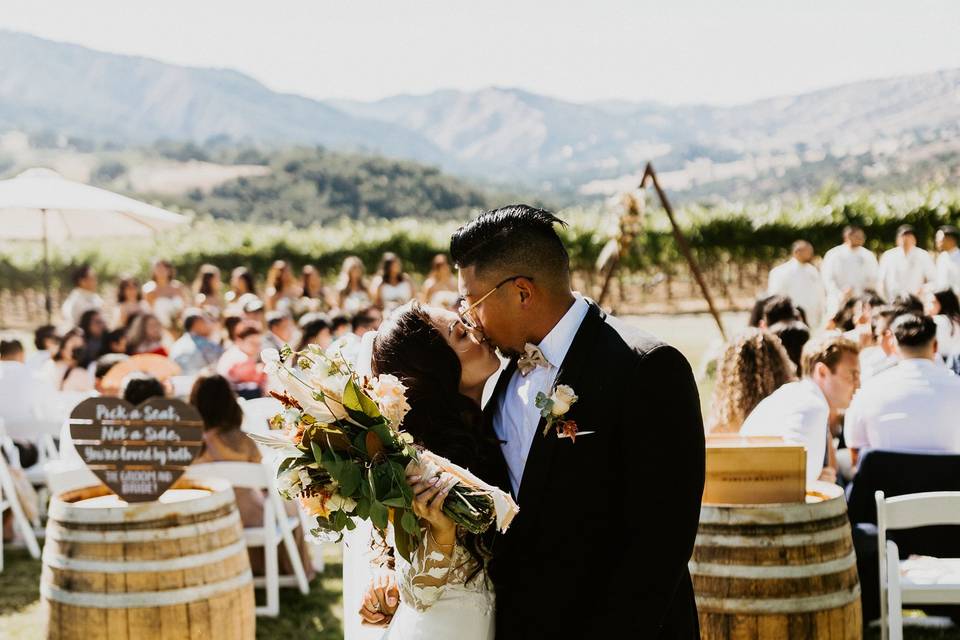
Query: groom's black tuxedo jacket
<point x="607" y="523"/>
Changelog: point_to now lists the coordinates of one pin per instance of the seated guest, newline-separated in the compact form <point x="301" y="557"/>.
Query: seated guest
<point x="368" y="319"/>
<point x="64" y="371"/>
<point x="129" y="302"/>
<point x="82" y="298"/>
<point x="223" y="441"/>
<point x="137" y="387"/>
<point x="944" y="307"/>
<point x="912" y="407"/>
<point x="802" y="411"/>
<point x="93" y="327"/>
<point x="882" y="354"/>
<point x="46" y="341"/>
<point x="752" y="366"/>
<point x="114" y="341"/>
<point x="194" y="351"/>
<point x="254" y="311"/>
<point x="793" y="335"/>
<point x="19" y="400"/>
<point x="779" y="309"/>
<point x="240" y="364"/>
<point x="104" y="364"/>
<point x="145" y="335"/>
<point x="314" y="329"/>
<point x="339" y="325"/>
<point x="281" y="330"/>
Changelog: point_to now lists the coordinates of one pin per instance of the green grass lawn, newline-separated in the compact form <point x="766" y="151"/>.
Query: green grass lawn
<point x="319" y="615"/>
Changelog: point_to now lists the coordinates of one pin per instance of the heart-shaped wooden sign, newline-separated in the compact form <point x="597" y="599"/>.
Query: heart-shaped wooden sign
<point x="138" y="452"/>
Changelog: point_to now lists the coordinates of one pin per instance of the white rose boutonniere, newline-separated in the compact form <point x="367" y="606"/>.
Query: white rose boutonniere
<point x="554" y="407"/>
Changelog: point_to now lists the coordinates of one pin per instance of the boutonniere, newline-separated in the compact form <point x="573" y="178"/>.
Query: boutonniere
<point x="554" y="407"/>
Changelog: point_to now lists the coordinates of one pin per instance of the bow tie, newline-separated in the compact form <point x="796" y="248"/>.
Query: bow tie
<point x="531" y="359"/>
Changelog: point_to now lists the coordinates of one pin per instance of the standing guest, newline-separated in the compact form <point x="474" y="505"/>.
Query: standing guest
<point x="82" y="298"/>
<point x="255" y="311"/>
<point x="195" y="351"/>
<point x="314" y="329"/>
<point x="315" y="298"/>
<point x="20" y="399"/>
<point x="948" y="262"/>
<point x="114" y="341"/>
<point x="913" y="406"/>
<point x="145" y="335"/>
<point x="391" y="287"/>
<point x="223" y="441"/>
<point x="165" y="295"/>
<point x="46" y="341"/>
<point x="240" y="363"/>
<point x="440" y="287"/>
<point x="64" y="370"/>
<point x="352" y="291"/>
<point x="794" y="336"/>
<point x="944" y="307"/>
<point x="129" y="302"/>
<point x="800" y="281"/>
<point x="241" y="284"/>
<point x="230" y="325"/>
<point x="282" y="289"/>
<point x="94" y="330"/>
<point x="905" y="269"/>
<point x="281" y="330"/>
<point x="802" y="411"/>
<point x="207" y="289"/>
<point x="849" y="269"/>
<point x="752" y="366"/>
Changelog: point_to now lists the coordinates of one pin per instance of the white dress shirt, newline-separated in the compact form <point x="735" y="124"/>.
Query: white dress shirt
<point x="20" y="398"/>
<point x="843" y="268"/>
<point x="913" y="406"/>
<point x="948" y="270"/>
<point x="517" y="416"/>
<point x="77" y="303"/>
<point x="798" y="412"/>
<point x="905" y="273"/>
<point x="801" y="283"/>
<point x="948" y="336"/>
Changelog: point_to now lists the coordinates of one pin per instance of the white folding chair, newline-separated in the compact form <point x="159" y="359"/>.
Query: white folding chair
<point x="920" y="580"/>
<point x="256" y="412"/>
<point x="68" y="475"/>
<point x="277" y="527"/>
<point x="10" y="500"/>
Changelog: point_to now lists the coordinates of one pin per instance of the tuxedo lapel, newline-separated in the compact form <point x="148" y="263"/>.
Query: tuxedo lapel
<point x="572" y="372"/>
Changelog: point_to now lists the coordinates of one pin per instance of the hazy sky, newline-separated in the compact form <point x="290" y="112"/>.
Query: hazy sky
<point x="671" y="51"/>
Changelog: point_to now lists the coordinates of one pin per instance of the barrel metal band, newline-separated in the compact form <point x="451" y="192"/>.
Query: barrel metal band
<point x="773" y="571"/>
<point x="56" y="561"/>
<point x="143" y="535"/>
<point x="67" y="512"/>
<point x="706" y="604"/>
<point x="144" y="598"/>
<point x="783" y="540"/>
<point x="773" y="514"/>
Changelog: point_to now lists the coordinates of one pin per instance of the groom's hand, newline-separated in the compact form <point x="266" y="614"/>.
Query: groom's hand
<point x="380" y="601"/>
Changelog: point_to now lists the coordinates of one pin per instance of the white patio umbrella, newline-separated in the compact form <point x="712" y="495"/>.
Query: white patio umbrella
<point x="40" y="204"/>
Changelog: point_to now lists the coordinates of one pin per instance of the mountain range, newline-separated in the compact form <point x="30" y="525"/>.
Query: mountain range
<point x="863" y="131"/>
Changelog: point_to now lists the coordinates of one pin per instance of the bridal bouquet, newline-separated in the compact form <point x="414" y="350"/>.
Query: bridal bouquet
<point x="345" y="457"/>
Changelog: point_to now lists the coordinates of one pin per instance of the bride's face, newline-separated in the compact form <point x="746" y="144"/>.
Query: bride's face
<point x="477" y="361"/>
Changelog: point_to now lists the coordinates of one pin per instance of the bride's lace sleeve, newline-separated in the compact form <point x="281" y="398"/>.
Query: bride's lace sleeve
<point x="423" y="581"/>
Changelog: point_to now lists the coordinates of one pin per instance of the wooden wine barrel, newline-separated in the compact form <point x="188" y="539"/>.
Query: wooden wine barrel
<point x="778" y="570"/>
<point x="171" y="569"/>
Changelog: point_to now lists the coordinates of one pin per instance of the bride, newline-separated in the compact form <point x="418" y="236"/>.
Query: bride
<point x="444" y="589"/>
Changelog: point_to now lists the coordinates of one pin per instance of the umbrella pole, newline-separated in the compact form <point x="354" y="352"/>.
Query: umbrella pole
<point x="46" y="270"/>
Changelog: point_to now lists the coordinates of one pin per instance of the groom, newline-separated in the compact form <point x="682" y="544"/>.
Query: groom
<point x="607" y="518"/>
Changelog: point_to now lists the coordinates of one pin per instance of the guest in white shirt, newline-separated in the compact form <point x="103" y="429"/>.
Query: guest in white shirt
<point x="20" y="393"/>
<point x="800" y="281"/>
<point x="801" y="412"/>
<point x="848" y="270"/>
<point x="281" y="330"/>
<point x="46" y="340"/>
<point x="944" y="307"/>
<point x="882" y="354"/>
<point x="83" y="298"/>
<point x="912" y="407"/>
<point x="948" y="262"/>
<point x="905" y="269"/>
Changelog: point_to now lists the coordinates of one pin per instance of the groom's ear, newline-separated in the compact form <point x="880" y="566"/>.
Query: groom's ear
<point x="526" y="290"/>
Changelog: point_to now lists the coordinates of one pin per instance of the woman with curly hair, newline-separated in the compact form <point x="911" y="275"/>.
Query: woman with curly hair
<point x="753" y="365"/>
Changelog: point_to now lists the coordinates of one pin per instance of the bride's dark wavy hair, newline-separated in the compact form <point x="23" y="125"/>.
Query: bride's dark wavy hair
<point x="441" y="419"/>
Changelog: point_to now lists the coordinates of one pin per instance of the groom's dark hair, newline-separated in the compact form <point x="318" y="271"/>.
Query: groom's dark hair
<point x="516" y="238"/>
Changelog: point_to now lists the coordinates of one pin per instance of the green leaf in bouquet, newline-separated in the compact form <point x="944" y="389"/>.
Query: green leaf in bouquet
<point x="406" y="543"/>
<point x="339" y="519"/>
<point x="350" y="478"/>
<point x="398" y="502"/>
<point x="379" y="514"/>
<point x="362" y="510"/>
<point x="410" y="523"/>
<point x="360" y="407"/>
<point x="387" y="435"/>
<point x="351" y="525"/>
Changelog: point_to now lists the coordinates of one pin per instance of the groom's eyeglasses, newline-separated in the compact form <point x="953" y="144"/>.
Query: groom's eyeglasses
<point x="466" y="312"/>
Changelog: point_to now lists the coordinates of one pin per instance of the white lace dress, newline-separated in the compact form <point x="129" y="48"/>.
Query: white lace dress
<point x="436" y="601"/>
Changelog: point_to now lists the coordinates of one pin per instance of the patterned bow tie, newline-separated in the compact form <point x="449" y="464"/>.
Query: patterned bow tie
<point x="531" y="359"/>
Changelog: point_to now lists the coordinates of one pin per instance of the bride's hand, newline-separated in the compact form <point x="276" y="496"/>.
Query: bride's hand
<point x="380" y="601"/>
<point x="429" y="494"/>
